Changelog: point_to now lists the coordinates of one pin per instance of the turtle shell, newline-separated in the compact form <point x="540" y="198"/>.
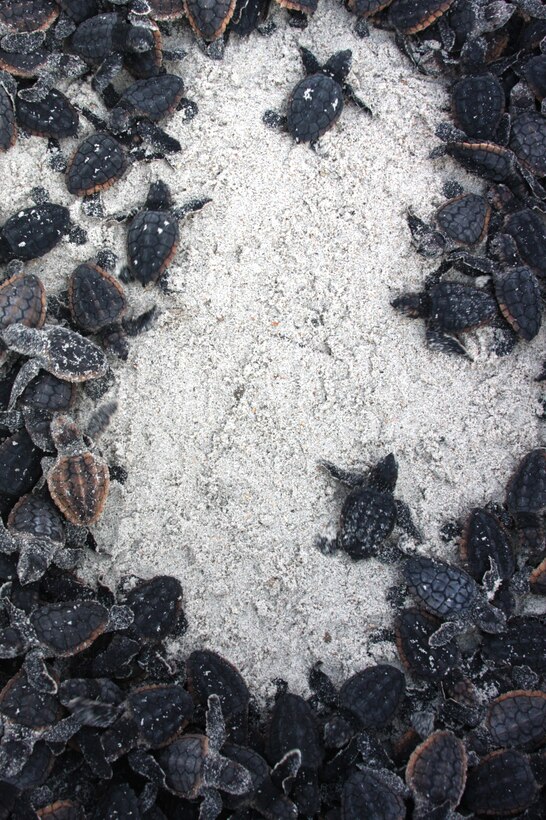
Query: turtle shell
<point x="457" y="307"/>
<point x="152" y="240"/>
<point x="436" y="771"/>
<point x="521" y="645"/>
<point x="465" y="219"/>
<point x="373" y="695"/>
<point x="209" y="18"/>
<point x="528" y="141"/>
<point x="160" y="712"/>
<point x="93" y="39"/>
<point x="293" y="726"/>
<point x="365" y="794"/>
<point x="97" y="164"/>
<point x="79" y="487"/>
<point x="34" y="231"/>
<point x="96" y="299"/>
<point x="518" y="719"/>
<point x="529" y="233"/>
<point x="367" y="8"/>
<point x="314" y="106"/>
<point x="484" y="539"/>
<point x="413" y="628"/>
<point x="54" y="116"/>
<point x="47" y="392"/>
<point x="520" y="300"/>
<point x="183" y="763"/>
<point x="501" y="784"/>
<point x="22" y="301"/>
<point x="478" y="104"/>
<point x="210" y="674"/>
<point x="537" y="580"/>
<point x="79" y="10"/>
<point x="444" y="590"/>
<point x="368" y="517"/>
<point x="19" y="464"/>
<point x="23" y="65"/>
<point x="65" y="629"/>
<point x="157" y="605"/>
<point x="535" y="74"/>
<point x="166" y="9"/>
<point x="71" y="357"/>
<point x="60" y="810"/>
<point x="154" y="98"/>
<point x="25" y="16"/>
<point x="486" y="159"/>
<point x="26" y="706"/>
<point x="411" y="16"/>
<point x="34" y="515"/>
<point x="526" y="491"/>
<point x="8" y="129"/>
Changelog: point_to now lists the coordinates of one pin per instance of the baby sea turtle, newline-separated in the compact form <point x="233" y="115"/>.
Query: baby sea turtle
<point x="210" y="674"/>
<point x="413" y="16"/>
<point x="157" y="608"/>
<point x="78" y="480"/>
<point x="526" y="500"/>
<point x="316" y="102"/>
<point x="58" y="350"/>
<point x="153" y="235"/>
<point x="413" y="629"/>
<point x="19" y="465"/>
<point x="34" y="231"/>
<point x="22" y="301"/>
<point x="209" y="19"/>
<point x="436" y="773"/>
<point x="28" y="15"/>
<point x="54" y="116"/>
<point x="146" y="102"/>
<point x="463" y="220"/>
<point x="98" y="306"/>
<point x="293" y="726"/>
<point x="486" y="540"/>
<point x="518" y="720"/>
<point x="266" y="796"/>
<point x="528" y="230"/>
<point x="449" y="308"/>
<point x="478" y="103"/>
<point x="520" y="300"/>
<point x="503" y="783"/>
<point x="451" y="594"/>
<point x="8" y="127"/>
<point x="194" y="767"/>
<point x="99" y="161"/>
<point x="371" y="792"/>
<point x="370" y="511"/>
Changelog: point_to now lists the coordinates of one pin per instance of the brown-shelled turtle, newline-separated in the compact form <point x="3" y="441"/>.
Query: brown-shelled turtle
<point x="436" y="774"/>
<point x="98" y="306"/>
<point x="316" y="102"/>
<point x="520" y="300"/>
<point x="60" y="810"/>
<point x="370" y="511"/>
<point x="98" y="162"/>
<point x="78" y="480"/>
<point x="413" y="16"/>
<point x="502" y="784"/>
<point x="528" y="230"/>
<point x="153" y="235"/>
<point x="165" y="10"/>
<point x="54" y="116"/>
<point x="34" y="231"/>
<point x="517" y="720"/>
<point x="58" y="350"/>
<point x="209" y="18"/>
<point x="451" y="594"/>
<point x="28" y="15"/>
<point x="22" y="301"/>
<point x="194" y="768"/>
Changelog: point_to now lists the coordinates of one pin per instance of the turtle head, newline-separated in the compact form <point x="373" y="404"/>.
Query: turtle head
<point x="22" y="339"/>
<point x="65" y="433"/>
<point x="385" y="474"/>
<point x="411" y="304"/>
<point x="140" y="39"/>
<point x="119" y="119"/>
<point x="159" y="197"/>
<point x="339" y="65"/>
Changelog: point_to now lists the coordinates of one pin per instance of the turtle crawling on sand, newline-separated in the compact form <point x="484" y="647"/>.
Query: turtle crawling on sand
<point x="316" y="102"/>
<point x="370" y="511"/>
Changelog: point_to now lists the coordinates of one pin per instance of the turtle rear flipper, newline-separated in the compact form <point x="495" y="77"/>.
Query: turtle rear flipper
<point x="157" y="137"/>
<point x="437" y="339"/>
<point x="275" y="120"/>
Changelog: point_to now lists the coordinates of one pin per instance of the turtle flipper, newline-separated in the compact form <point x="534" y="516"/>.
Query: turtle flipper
<point x="445" y="633"/>
<point x="275" y="120"/>
<point x="438" y="340"/>
<point x="310" y="62"/>
<point x="404" y="520"/>
<point x="349" y="477"/>
<point x="350" y="94"/>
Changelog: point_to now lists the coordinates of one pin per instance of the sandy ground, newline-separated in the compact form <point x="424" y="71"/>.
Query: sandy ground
<point x="278" y="347"/>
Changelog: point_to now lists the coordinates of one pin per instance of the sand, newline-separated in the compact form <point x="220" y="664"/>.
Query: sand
<point x="278" y="347"/>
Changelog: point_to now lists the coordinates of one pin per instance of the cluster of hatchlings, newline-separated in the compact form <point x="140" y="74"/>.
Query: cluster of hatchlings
<point x="99" y="718"/>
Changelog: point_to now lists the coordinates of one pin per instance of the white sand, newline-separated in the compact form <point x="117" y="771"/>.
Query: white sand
<point x="279" y="348"/>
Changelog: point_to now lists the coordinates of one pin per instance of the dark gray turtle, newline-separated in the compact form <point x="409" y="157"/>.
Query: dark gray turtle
<point x="370" y="511"/>
<point x="153" y="235"/>
<point x="54" y="116"/>
<point x="526" y="501"/>
<point x="462" y="220"/>
<point x="34" y="231"/>
<point x="210" y="674"/>
<point x="502" y="783"/>
<point x="452" y="594"/>
<point x="98" y="162"/>
<point x="58" y="350"/>
<point x="371" y="792"/>
<point x="8" y="126"/>
<point x="436" y="774"/>
<point x="448" y="308"/>
<point x="194" y="768"/>
<point x="364" y="9"/>
<point x="316" y="102"/>
<point x="528" y="230"/>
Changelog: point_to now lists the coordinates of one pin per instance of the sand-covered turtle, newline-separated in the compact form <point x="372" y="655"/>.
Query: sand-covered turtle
<point x="316" y="102"/>
<point x="370" y="511"/>
<point x="153" y="235"/>
<point x="78" y="479"/>
<point x="58" y="350"/>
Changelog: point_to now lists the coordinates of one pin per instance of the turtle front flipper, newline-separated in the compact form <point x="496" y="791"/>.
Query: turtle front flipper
<point x="158" y="138"/>
<point x="349" y="477"/>
<point x="438" y="340"/>
<point x="26" y="374"/>
<point x="275" y="120"/>
<point x="310" y="62"/>
<point x="404" y="520"/>
<point x="445" y="633"/>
